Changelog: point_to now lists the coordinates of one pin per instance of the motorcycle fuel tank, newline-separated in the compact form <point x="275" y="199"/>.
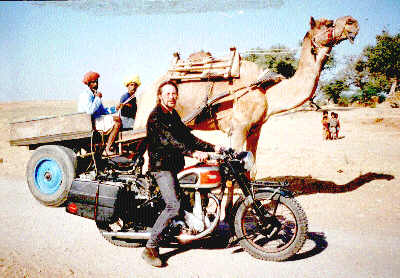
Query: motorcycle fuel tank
<point x="200" y="176"/>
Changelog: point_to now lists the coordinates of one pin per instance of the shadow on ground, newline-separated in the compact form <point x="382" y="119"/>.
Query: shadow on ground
<point x="316" y="242"/>
<point x="308" y="185"/>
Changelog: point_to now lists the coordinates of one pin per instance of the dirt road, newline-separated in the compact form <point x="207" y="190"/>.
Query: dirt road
<point x="38" y="241"/>
<point x="349" y="189"/>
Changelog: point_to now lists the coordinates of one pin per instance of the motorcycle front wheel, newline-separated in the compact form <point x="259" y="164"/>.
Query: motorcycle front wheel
<point x="279" y="241"/>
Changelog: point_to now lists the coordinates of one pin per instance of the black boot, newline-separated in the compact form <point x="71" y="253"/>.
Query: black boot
<point x="152" y="257"/>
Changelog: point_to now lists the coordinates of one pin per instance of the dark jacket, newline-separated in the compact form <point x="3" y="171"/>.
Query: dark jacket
<point x="169" y="139"/>
<point x="126" y="111"/>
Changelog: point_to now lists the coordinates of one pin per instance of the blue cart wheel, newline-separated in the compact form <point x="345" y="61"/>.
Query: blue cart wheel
<point x="50" y="173"/>
<point x="48" y="176"/>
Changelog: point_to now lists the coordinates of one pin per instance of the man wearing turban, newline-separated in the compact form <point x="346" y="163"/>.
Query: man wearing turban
<point x="90" y="103"/>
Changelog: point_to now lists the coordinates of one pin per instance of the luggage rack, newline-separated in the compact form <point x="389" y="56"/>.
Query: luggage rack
<point x="206" y="67"/>
<point x="265" y="183"/>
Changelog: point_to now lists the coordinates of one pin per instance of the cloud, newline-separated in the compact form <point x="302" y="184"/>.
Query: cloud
<point x="128" y="7"/>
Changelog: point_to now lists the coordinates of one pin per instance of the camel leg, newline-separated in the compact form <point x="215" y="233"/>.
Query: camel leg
<point x="252" y="144"/>
<point x="238" y="137"/>
<point x="245" y="115"/>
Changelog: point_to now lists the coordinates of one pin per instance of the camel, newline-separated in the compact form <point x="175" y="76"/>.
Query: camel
<point x="243" y="117"/>
<point x="242" y="114"/>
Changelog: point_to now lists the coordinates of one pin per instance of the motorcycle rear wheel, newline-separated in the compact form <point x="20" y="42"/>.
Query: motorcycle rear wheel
<point x="288" y="240"/>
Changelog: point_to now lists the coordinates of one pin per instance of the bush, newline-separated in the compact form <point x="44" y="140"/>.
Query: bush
<point x="368" y="94"/>
<point x="381" y="98"/>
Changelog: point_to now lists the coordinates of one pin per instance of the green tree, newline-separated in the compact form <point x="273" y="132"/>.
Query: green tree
<point x="277" y="58"/>
<point x="331" y="62"/>
<point x="333" y="89"/>
<point x="281" y="59"/>
<point x="383" y="59"/>
<point x="355" y="72"/>
<point x="376" y="69"/>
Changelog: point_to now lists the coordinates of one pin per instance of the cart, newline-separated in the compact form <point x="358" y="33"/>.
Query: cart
<point x="64" y="147"/>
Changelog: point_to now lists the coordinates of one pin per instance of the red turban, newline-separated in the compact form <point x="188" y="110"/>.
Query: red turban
<point x="90" y="76"/>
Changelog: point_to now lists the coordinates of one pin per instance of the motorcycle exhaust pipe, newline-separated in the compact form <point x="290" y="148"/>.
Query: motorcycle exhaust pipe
<point x="182" y="238"/>
<point x="128" y="235"/>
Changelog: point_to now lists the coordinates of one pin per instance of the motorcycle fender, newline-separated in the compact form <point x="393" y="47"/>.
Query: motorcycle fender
<point x="274" y="191"/>
<point x="249" y="200"/>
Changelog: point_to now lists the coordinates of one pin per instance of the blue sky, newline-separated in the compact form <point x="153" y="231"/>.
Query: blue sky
<point x="46" y="49"/>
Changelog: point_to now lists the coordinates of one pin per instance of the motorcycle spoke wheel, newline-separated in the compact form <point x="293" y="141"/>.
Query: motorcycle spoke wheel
<point x="277" y="242"/>
<point x="280" y="241"/>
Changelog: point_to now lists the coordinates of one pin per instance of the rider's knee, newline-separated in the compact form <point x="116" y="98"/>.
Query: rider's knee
<point x="173" y="208"/>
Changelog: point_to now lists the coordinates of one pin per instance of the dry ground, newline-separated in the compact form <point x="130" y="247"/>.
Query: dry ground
<point x="349" y="188"/>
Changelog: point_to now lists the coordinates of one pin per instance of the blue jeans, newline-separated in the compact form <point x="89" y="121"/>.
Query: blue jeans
<point x="168" y="184"/>
<point x="127" y="122"/>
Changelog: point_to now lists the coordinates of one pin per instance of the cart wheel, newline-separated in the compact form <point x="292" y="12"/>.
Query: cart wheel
<point x="50" y="172"/>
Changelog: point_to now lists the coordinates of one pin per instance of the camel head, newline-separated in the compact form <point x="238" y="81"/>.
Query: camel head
<point x="346" y="27"/>
<point x="328" y="33"/>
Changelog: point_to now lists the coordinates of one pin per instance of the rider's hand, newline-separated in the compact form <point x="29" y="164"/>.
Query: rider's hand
<point x="98" y="94"/>
<point x="201" y="156"/>
<point x="219" y="148"/>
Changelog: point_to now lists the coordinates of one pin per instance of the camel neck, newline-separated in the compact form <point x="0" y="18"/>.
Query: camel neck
<point x="297" y="89"/>
<point x="312" y="61"/>
<point x="311" y="64"/>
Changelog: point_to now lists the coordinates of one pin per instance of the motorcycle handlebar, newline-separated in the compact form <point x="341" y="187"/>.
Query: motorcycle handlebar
<point x="219" y="156"/>
<point x="214" y="156"/>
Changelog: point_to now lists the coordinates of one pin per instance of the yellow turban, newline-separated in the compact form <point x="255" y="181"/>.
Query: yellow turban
<point x="132" y="79"/>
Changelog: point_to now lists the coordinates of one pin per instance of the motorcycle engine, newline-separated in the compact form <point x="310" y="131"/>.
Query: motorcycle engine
<point x="195" y="224"/>
<point x="140" y="186"/>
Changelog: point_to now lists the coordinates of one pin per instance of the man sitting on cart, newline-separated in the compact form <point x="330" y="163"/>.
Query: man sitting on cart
<point x="90" y="102"/>
<point x="127" y="104"/>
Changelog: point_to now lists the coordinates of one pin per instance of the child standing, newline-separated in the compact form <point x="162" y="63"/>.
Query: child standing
<point x="334" y="126"/>
<point x="325" y="126"/>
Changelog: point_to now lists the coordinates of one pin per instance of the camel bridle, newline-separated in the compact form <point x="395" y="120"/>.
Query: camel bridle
<point x="331" y="38"/>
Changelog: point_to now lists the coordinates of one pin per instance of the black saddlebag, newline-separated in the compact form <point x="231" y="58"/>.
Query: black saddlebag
<point x="92" y="199"/>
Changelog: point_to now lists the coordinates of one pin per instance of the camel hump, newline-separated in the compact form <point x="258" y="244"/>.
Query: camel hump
<point x="267" y="79"/>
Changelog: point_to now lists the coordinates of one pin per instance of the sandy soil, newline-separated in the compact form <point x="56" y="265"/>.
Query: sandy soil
<point x="349" y="189"/>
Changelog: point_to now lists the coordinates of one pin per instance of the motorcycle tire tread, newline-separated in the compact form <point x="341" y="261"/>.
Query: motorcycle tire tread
<point x="298" y="243"/>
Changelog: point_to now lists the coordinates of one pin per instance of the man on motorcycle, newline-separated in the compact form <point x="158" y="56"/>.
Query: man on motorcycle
<point x="168" y="141"/>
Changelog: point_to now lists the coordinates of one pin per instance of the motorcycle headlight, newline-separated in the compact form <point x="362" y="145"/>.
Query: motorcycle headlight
<point x="248" y="160"/>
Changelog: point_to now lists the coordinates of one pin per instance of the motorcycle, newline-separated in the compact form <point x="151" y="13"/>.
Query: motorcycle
<point x="266" y="219"/>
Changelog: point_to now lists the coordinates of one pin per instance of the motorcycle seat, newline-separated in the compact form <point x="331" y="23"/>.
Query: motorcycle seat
<point x="121" y="160"/>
